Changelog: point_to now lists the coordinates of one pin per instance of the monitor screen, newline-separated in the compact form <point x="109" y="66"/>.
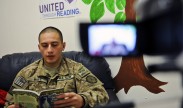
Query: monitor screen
<point x="111" y="39"/>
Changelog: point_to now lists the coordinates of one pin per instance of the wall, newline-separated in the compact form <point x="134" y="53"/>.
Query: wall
<point x="20" y="25"/>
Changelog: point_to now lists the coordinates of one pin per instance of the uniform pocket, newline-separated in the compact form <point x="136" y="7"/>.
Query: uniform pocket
<point x="67" y="83"/>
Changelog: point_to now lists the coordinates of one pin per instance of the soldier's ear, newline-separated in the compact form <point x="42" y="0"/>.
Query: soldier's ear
<point x="64" y="45"/>
<point x="38" y="46"/>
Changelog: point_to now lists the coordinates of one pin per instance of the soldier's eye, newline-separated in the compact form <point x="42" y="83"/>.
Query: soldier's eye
<point x="54" y="44"/>
<point x="44" y="45"/>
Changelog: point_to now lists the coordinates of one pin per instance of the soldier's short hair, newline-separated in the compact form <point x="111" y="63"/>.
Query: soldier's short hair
<point x="51" y="29"/>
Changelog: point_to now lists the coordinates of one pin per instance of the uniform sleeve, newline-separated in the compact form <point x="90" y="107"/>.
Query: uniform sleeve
<point x="19" y="82"/>
<point x="90" y="88"/>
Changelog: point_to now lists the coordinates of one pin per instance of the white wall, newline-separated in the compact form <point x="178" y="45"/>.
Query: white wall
<point x="20" y="24"/>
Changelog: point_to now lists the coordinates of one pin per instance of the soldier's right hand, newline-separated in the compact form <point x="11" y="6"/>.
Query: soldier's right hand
<point x="13" y="106"/>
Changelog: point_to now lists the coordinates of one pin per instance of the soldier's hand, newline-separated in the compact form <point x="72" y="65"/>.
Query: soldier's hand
<point x="72" y="100"/>
<point x="13" y="106"/>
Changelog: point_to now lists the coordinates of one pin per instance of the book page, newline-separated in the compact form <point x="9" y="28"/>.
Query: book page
<point x="47" y="97"/>
<point x="26" y="98"/>
<point x="32" y="99"/>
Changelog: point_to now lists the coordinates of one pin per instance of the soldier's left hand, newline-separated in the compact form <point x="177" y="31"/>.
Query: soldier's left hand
<point x="71" y="100"/>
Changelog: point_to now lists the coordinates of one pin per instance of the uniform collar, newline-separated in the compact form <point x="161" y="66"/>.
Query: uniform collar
<point x="63" y="69"/>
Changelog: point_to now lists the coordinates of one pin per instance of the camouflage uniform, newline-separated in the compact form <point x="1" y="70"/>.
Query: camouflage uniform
<point x="70" y="75"/>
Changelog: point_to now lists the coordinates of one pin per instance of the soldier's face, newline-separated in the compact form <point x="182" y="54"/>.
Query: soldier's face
<point x="51" y="47"/>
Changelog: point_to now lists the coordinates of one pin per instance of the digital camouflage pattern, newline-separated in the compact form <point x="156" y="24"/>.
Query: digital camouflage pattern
<point x="70" y="75"/>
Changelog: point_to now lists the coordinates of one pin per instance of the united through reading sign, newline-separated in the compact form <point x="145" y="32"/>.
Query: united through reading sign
<point x="58" y="8"/>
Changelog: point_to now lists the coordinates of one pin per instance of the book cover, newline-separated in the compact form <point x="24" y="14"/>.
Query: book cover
<point x="32" y="99"/>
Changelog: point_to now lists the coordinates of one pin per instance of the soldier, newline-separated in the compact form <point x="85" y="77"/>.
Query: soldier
<point x="81" y="87"/>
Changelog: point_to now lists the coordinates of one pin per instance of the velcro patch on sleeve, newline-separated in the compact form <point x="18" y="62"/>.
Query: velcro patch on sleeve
<point x="20" y="81"/>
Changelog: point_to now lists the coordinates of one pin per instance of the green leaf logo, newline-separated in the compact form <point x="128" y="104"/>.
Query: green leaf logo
<point x="87" y="1"/>
<point x="121" y="4"/>
<point x="110" y="5"/>
<point x="98" y="8"/>
<point x="120" y="17"/>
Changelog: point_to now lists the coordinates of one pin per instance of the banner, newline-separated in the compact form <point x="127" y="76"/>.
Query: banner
<point x="58" y="8"/>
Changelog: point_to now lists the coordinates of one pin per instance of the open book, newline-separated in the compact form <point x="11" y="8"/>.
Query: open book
<point x="32" y="99"/>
